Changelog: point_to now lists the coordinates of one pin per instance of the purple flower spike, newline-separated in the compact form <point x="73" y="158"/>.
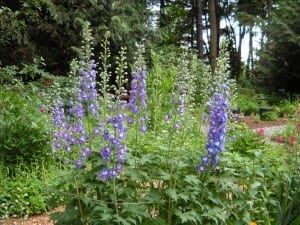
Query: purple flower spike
<point x="137" y="102"/>
<point x="217" y="132"/>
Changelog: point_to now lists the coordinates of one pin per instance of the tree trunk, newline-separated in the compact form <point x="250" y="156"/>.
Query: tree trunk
<point x="162" y="19"/>
<point x="251" y="49"/>
<point x="242" y="32"/>
<point x="250" y="53"/>
<point x="213" y="34"/>
<point x="199" y="28"/>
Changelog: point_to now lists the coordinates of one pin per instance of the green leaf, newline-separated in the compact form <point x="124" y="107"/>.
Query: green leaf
<point x="171" y="192"/>
<point x="192" y="179"/>
<point x="189" y="216"/>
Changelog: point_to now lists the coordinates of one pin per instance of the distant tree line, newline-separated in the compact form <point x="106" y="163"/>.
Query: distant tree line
<point x="50" y="28"/>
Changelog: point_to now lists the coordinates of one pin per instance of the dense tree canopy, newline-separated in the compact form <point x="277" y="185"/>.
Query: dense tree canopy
<point x="279" y="59"/>
<point x="50" y="28"/>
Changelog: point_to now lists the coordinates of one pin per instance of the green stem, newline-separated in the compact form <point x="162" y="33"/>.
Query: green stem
<point x="170" y="202"/>
<point x="115" y="197"/>
<point x="78" y="198"/>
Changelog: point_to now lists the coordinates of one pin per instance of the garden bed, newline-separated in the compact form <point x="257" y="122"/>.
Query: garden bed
<point x="253" y="124"/>
<point x="43" y="219"/>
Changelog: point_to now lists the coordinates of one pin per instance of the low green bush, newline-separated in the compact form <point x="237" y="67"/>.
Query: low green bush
<point x="287" y="108"/>
<point x="243" y="139"/>
<point x="247" y="105"/>
<point x="269" y="116"/>
<point x="24" y="129"/>
<point x="23" y="195"/>
<point x="28" y="192"/>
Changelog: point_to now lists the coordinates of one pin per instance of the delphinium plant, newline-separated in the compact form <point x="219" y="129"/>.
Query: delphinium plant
<point x="218" y="117"/>
<point x="95" y="135"/>
<point x="222" y="94"/>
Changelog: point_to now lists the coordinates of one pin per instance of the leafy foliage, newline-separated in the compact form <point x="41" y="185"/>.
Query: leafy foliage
<point x="24" y="133"/>
<point x="159" y="184"/>
<point x="50" y="29"/>
<point x="278" y="64"/>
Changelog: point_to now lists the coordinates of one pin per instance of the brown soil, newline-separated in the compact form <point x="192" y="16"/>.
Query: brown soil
<point x="253" y="124"/>
<point x="43" y="219"/>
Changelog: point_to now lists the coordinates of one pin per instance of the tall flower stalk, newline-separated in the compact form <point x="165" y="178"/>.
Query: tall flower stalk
<point x="138" y="94"/>
<point x="181" y="102"/>
<point x="115" y="126"/>
<point x="218" y="117"/>
<point x="69" y="128"/>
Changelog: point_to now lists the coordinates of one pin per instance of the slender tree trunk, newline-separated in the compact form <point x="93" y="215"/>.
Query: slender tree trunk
<point x="162" y="19"/>
<point x="213" y="34"/>
<point x="250" y="52"/>
<point x="192" y="25"/>
<point x="238" y="63"/>
<point x="250" y="57"/>
<point x="199" y="28"/>
<point x="251" y="49"/>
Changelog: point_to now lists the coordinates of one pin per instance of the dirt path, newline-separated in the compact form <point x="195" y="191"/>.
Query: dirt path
<point x="43" y="219"/>
<point x="32" y="220"/>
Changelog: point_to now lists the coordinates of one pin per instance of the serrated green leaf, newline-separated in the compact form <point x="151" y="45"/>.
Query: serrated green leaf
<point x="192" y="179"/>
<point x="171" y="192"/>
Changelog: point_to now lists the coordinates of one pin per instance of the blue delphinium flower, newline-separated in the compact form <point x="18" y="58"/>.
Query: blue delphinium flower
<point x="87" y="93"/>
<point x="178" y="101"/>
<point x="137" y="101"/>
<point x="68" y="124"/>
<point x="60" y="125"/>
<point x="113" y="154"/>
<point x="217" y="131"/>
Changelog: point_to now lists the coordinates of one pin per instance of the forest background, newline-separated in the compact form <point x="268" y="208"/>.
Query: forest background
<point x="31" y="29"/>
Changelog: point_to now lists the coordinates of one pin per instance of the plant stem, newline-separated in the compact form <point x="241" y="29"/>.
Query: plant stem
<point x="115" y="197"/>
<point x="78" y="198"/>
<point x="170" y="202"/>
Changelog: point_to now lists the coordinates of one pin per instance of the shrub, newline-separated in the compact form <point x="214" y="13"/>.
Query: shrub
<point x="287" y="108"/>
<point x="243" y="139"/>
<point x="27" y="193"/>
<point x="247" y="105"/>
<point x="24" y="128"/>
<point x="269" y="116"/>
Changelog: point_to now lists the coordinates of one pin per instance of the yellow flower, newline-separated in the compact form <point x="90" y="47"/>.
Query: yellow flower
<point x="253" y="223"/>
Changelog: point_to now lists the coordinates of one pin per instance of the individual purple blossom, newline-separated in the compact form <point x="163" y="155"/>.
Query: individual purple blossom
<point x="85" y="152"/>
<point x="79" y="163"/>
<point x="106" y="153"/>
<point x="143" y="124"/>
<point x="168" y="117"/>
<point x="217" y="131"/>
<point x="106" y="173"/>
